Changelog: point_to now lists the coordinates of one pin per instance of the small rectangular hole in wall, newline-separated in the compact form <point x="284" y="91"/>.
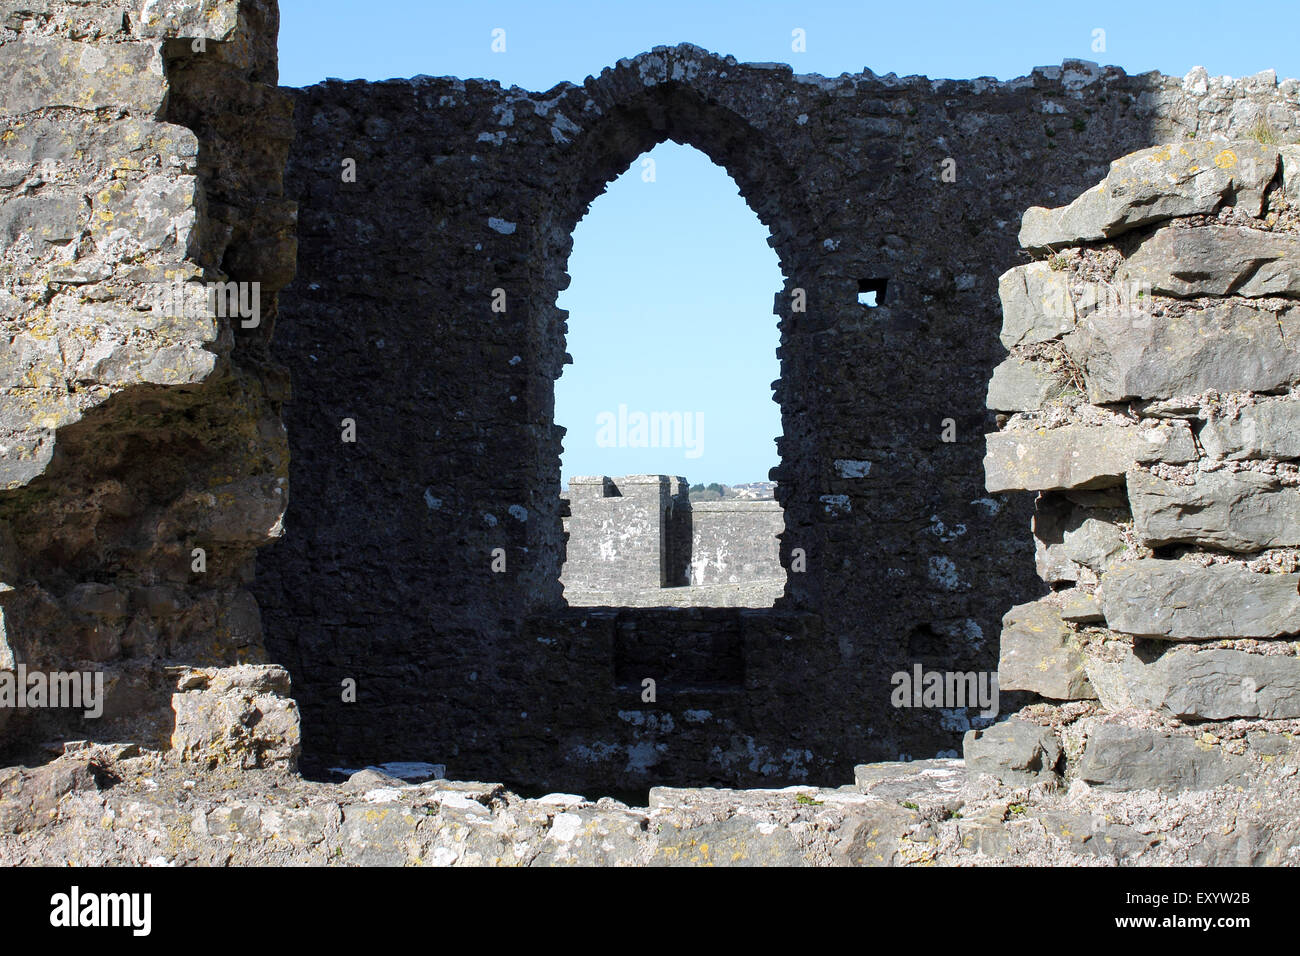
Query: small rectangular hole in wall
<point x="871" y="292"/>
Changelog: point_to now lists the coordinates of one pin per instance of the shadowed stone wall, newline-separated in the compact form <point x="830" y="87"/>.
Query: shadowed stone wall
<point x="463" y="188"/>
<point x="142" y="150"/>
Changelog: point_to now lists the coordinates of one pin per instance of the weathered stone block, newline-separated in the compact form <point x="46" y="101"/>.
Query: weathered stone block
<point x="37" y="72"/>
<point x="1202" y="684"/>
<point x="1217" y="260"/>
<point x="1229" y="347"/>
<point x="1179" y="179"/>
<point x="1132" y="758"/>
<point x="1080" y="607"/>
<point x="1079" y="456"/>
<point x="239" y="716"/>
<point x="1036" y="304"/>
<point x="1178" y="600"/>
<point x="1015" y="751"/>
<point x="1268" y="429"/>
<point x="1019" y="385"/>
<point x="1039" y="653"/>
<point x="1245" y="511"/>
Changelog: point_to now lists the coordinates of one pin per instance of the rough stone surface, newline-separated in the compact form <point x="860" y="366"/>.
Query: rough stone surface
<point x="1217" y="260"/>
<point x="1079" y="456"/>
<point x="1202" y="684"/>
<point x="118" y="806"/>
<point x="241" y="716"/>
<point x="1133" y="758"/>
<point x="1227" y="347"/>
<point x="1153" y="184"/>
<point x="1018" y="386"/>
<point x="139" y="419"/>
<point x="1236" y="511"/>
<point x="1179" y="600"/>
<point x="1014" y="751"/>
<point x="1267" y="429"/>
<point x="1041" y="654"/>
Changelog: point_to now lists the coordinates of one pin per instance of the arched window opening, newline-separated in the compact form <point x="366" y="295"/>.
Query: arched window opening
<point x="668" y="409"/>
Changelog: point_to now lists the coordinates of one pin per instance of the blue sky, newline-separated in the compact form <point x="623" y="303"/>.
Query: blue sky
<point x="671" y="301"/>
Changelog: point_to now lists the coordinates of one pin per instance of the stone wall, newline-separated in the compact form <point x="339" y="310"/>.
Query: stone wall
<point x="735" y="542"/>
<point x="640" y="540"/>
<point x="142" y="148"/>
<point x="1152" y="399"/>
<point x="141" y="157"/>
<point x="385" y="574"/>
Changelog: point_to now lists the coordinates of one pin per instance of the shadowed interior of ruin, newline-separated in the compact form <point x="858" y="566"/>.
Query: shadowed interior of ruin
<point x="384" y="573"/>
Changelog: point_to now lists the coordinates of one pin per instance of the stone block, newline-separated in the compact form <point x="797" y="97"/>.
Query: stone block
<point x="1015" y="751"/>
<point x="1194" y="683"/>
<point x="1267" y="429"/>
<point x="1036" y="304"/>
<point x="1162" y="182"/>
<point x="1040" y="653"/>
<point x="1242" y="511"/>
<point x="42" y="71"/>
<point x="1121" y="757"/>
<point x="1217" y="260"/>
<point x="1019" y="385"/>
<point x="1079" y="456"/>
<point x="1178" y="600"/>
<point x="1229" y="347"/>
<point x="237" y="716"/>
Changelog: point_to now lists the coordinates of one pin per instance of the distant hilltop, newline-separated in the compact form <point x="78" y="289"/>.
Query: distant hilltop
<point x="748" y="491"/>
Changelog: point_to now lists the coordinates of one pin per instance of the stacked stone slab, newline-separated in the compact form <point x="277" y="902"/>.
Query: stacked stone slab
<point x="142" y="148"/>
<point x="1151" y="399"/>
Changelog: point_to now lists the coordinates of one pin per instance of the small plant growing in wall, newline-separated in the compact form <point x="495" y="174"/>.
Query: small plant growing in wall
<point x="1262" y="133"/>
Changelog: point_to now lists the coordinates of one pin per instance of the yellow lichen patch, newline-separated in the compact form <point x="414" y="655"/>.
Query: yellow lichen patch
<point x="1226" y="159"/>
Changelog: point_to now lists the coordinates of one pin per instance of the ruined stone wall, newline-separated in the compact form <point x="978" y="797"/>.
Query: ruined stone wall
<point x="1152" y="399"/>
<point x="626" y="538"/>
<point x="142" y="150"/>
<point x="733" y="542"/>
<point x="462" y="188"/>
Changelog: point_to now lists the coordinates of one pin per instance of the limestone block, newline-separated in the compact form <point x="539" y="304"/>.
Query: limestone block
<point x="1019" y="385"/>
<point x="1228" y="347"/>
<point x="1079" y="456"/>
<point x="1039" y="653"/>
<point x="1268" y="429"/>
<point x="237" y="716"/>
<point x="1121" y="757"/>
<point x="51" y="71"/>
<point x="1246" y="511"/>
<point x="47" y="217"/>
<point x="211" y="19"/>
<point x="158" y="214"/>
<point x="1015" y="751"/>
<point x="1217" y="260"/>
<point x="1036" y="304"/>
<point x="1202" y="684"/>
<point x="1080" y="607"/>
<point x="1068" y="538"/>
<point x="1178" y="179"/>
<point x="1178" y="600"/>
<point x="1291" y="173"/>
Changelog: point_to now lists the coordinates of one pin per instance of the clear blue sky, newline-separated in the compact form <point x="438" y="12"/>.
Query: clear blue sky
<point x="682" y="259"/>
